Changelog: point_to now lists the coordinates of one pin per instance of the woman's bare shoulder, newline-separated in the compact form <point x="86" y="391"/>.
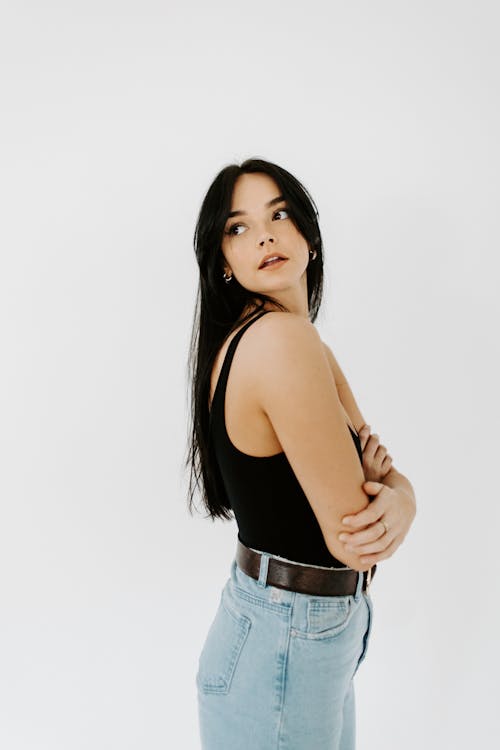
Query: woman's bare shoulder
<point x="281" y="335"/>
<point x="277" y="326"/>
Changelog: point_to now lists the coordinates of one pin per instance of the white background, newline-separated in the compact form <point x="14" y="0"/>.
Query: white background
<point x="115" y="118"/>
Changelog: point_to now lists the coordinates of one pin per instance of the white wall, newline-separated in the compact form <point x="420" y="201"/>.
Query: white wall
<point x="115" y="117"/>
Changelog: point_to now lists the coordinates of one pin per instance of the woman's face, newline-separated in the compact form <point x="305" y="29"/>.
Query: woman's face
<point x="258" y="230"/>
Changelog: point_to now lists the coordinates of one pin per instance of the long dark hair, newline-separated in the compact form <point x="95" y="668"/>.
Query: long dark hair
<point x="219" y="308"/>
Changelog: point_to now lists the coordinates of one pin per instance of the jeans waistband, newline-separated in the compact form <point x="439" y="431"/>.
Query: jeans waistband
<point x="270" y="570"/>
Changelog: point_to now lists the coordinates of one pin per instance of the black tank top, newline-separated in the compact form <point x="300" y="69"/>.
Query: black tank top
<point x="271" y="510"/>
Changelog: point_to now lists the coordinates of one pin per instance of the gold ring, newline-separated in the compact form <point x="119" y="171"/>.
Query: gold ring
<point x="385" y="525"/>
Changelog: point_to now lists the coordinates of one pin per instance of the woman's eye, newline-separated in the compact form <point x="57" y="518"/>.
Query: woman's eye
<point x="232" y="228"/>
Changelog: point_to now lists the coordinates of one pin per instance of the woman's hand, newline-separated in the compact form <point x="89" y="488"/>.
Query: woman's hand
<point x="376" y="461"/>
<point x="395" y="506"/>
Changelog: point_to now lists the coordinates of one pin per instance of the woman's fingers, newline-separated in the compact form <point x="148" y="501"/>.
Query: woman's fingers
<point x="370" y="448"/>
<point x="379" y="545"/>
<point x="374" y="510"/>
<point x="364" y="434"/>
<point x="374" y="454"/>
<point x="373" y="532"/>
<point x="397" y="510"/>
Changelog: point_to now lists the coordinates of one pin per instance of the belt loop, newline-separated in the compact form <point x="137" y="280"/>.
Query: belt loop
<point x="368" y="578"/>
<point x="359" y="585"/>
<point x="264" y="564"/>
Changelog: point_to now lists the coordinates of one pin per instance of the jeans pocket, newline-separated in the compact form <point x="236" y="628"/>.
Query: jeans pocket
<point x="368" y="631"/>
<point x="328" y="616"/>
<point x="222" y="648"/>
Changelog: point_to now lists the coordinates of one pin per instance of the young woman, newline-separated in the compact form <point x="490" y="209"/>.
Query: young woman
<point x="279" y="443"/>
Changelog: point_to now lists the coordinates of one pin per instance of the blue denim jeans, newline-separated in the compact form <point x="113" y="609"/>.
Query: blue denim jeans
<point x="276" y="668"/>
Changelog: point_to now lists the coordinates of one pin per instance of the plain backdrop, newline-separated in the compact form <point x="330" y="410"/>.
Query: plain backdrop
<point x="115" y="118"/>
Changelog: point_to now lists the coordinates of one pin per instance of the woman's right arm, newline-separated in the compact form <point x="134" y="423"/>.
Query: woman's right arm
<point x="295" y="388"/>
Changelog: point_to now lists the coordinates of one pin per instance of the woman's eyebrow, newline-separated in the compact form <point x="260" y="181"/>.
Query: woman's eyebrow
<point x="270" y="203"/>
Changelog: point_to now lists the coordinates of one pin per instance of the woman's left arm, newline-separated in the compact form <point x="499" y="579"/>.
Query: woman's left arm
<point x="395" y="499"/>
<point x="377" y="531"/>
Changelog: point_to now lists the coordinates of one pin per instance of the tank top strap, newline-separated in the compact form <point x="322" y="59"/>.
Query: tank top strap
<point x="224" y="372"/>
<point x="234" y="343"/>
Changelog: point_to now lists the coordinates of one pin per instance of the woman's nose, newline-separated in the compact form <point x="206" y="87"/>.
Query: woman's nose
<point x="268" y="237"/>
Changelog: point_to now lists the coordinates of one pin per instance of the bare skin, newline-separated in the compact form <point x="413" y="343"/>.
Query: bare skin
<point x="247" y="238"/>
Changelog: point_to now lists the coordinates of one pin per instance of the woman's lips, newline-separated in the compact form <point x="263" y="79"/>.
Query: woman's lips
<point x="273" y="264"/>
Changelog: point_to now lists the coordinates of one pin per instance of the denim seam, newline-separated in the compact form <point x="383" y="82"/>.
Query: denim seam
<point x="342" y="603"/>
<point x="284" y="670"/>
<point x="366" y="637"/>
<point x="320" y="636"/>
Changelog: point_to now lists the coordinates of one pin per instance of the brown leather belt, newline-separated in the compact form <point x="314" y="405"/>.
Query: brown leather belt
<point x="302" y="578"/>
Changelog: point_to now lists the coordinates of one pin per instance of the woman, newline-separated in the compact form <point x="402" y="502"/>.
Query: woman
<point x="279" y="442"/>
